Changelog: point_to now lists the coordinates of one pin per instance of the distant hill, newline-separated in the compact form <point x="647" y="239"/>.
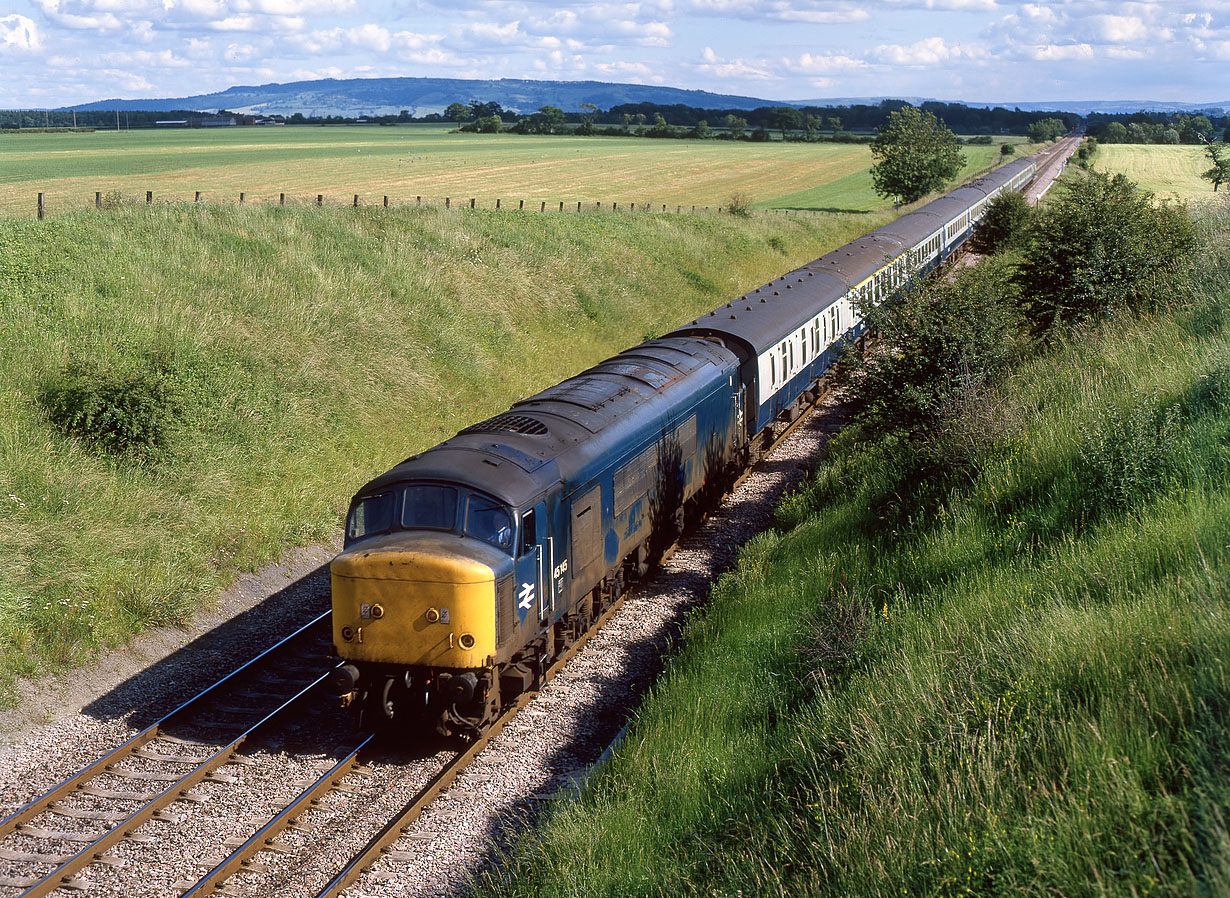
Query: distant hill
<point x="423" y="96"/>
<point x="352" y="97"/>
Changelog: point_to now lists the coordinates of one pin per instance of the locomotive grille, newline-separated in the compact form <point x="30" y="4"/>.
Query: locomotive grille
<point x="509" y="424"/>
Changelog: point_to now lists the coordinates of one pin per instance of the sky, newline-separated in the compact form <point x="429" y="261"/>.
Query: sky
<point x="60" y="52"/>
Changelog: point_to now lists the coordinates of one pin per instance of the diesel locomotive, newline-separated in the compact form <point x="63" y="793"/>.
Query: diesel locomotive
<point x="468" y="567"/>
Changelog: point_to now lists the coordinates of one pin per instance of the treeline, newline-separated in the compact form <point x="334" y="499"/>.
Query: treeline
<point x="1146" y="127"/>
<point x="762" y="123"/>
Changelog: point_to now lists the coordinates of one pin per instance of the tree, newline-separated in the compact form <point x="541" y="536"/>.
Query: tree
<point x="1116" y="132"/>
<point x="1045" y="130"/>
<point x="1220" y="172"/>
<point x="587" y="118"/>
<point x="479" y="110"/>
<point x="735" y="125"/>
<point x="914" y="154"/>
<point x="548" y="118"/>
<point x="457" y="112"/>
<point x="785" y="118"/>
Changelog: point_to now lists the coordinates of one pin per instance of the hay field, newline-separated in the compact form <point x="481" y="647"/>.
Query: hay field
<point x="408" y="161"/>
<point x="1168" y="171"/>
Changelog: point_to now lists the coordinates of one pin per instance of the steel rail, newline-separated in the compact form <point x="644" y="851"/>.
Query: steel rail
<point x="264" y="836"/>
<point x="44" y="802"/>
<point x="177" y="790"/>
<point x="414" y="808"/>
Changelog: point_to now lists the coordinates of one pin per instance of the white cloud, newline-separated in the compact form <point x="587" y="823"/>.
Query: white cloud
<point x="930" y="51"/>
<point x="1120" y="29"/>
<point x="1059" y="52"/>
<point x="712" y="64"/>
<point x="19" y="35"/>
<point x="809" y="64"/>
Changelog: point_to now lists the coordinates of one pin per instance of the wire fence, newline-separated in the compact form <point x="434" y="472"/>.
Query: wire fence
<point x="114" y="199"/>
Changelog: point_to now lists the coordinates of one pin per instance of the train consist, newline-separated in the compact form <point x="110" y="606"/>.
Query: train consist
<point x="468" y="567"/>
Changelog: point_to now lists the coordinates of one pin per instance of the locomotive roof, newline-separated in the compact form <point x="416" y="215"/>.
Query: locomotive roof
<point x="516" y="454"/>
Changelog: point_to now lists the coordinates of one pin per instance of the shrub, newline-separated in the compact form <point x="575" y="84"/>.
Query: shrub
<point x="1128" y="456"/>
<point x="740" y="205"/>
<point x="123" y="411"/>
<point x="1004" y="224"/>
<point x="1103" y="244"/>
<point x="1007" y="149"/>
<point x="939" y="342"/>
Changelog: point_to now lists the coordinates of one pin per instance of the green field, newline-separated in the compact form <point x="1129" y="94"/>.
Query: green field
<point x="405" y="162"/>
<point x="1168" y="171"/>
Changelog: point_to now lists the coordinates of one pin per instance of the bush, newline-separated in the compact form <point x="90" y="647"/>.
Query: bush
<point x="1005" y="223"/>
<point x="1128" y="456"/>
<point x="126" y="411"/>
<point x="939" y="342"/>
<point x="1103" y="244"/>
<point x="1007" y="149"/>
<point x="740" y="205"/>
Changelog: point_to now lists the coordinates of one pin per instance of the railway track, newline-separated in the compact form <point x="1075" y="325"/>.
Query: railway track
<point x="76" y="823"/>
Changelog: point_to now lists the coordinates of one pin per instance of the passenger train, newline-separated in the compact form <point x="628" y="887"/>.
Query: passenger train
<point x="468" y="567"/>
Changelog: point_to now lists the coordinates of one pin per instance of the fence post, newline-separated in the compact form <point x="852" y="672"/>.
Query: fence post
<point x="149" y="197"/>
<point x="356" y="201"/>
<point x="497" y="202"/>
<point x="471" y="202"/>
<point x="544" y="206"/>
<point x="241" y="199"/>
<point x="614" y="207"/>
<point x="678" y="209"/>
<point x="97" y="199"/>
<point x="448" y="202"/>
<point x="386" y="202"/>
<point x="561" y="205"/>
<point x="40" y="207"/>
<point x="578" y="205"/>
<point x="281" y="199"/>
<point x="693" y="210"/>
<point x="320" y="199"/>
<point x="197" y="197"/>
<point x="521" y="205"/>
<point x="418" y="201"/>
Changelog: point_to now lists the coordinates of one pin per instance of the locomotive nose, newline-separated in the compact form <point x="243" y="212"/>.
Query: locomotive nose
<point x="415" y="599"/>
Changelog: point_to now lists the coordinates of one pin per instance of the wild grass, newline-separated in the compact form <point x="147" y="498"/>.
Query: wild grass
<point x="996" y="663"/>
<point x="285" y="356"/>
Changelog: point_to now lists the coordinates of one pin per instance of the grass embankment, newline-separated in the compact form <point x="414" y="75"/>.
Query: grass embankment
<point x="236" y="373"/>
<point x="994" y="663"/>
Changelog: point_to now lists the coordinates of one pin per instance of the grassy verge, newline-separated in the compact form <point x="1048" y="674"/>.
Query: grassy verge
<point x="185" y="391"/>
<point x="994" y="664"/>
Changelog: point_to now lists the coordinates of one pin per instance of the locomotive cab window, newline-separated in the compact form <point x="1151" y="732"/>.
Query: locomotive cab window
<point x="490" y="521"/>
<point x="429" y="507"/>
<point x="529" y="533"/>
<point x="370" y="516"/>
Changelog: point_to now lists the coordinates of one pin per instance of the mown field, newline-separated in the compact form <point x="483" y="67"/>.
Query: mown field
<point x="1168" y="171"/>
<point x="404" y="162"/>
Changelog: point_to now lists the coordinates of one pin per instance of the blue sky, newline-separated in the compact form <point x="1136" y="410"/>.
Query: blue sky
<point x="61" y="52"/>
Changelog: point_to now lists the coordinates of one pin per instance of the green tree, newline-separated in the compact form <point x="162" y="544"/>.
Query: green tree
<point x="1116" y="132"/>
<point x="1220" y="172"/>
<point x="548" y="118"/>
<point x="785" y="118"/>
<point x="914" y="154"/>
<point x="587" y="118"/>
<point x="1102" y="243"/>
<point x="488" y="124"/>
<point x="457" y="112"/>
<point x="735" y="125"/>
<point x="1045" y="130"/>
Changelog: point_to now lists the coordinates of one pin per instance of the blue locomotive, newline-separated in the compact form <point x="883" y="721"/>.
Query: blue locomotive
<point x="467" y="568"/>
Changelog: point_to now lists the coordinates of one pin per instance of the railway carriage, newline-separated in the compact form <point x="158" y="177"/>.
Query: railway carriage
<point x="469" y="567"/>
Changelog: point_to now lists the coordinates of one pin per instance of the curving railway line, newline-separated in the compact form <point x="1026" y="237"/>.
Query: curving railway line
<point x="89" y="833"/>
